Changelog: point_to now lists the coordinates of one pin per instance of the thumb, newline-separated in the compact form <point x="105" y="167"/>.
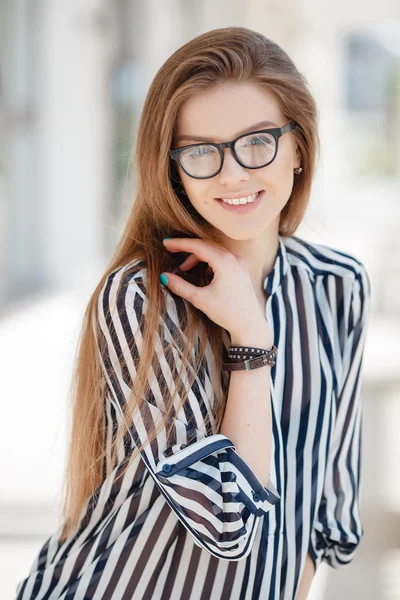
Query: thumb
<point x="179" y="286"/>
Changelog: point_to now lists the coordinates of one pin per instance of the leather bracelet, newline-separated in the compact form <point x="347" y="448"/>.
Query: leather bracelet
<point x="241" y="352"/>
<point x="267" y="358"/>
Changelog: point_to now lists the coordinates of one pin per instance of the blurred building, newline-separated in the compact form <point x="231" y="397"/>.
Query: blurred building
<point x="73" y="79"/>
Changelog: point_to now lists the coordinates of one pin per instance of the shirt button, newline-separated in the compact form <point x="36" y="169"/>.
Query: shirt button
<point x="256" y="497"/>
<point x="166" y="468"/>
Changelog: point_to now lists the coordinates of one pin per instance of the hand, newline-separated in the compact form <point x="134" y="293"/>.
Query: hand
<point x="229" y="300"/>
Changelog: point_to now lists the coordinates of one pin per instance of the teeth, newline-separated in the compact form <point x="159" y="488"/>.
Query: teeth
<point x="244" y="200"/>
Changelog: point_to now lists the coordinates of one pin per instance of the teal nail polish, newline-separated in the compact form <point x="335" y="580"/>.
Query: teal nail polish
<point x="163" y="279"/>
<point x="167" y="238"/>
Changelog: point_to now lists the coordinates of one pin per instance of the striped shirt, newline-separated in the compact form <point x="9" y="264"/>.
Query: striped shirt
<point x="190" y="520"/>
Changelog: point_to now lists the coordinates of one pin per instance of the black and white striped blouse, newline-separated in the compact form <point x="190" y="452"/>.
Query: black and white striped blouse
<point x="190" y="520"/>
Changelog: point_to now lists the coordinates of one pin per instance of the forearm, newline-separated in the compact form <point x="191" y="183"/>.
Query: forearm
<point x="306" y="579"/>
<point x="247" y="420"/>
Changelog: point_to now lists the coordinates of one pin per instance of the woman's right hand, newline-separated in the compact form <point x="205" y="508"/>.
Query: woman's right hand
<point x="229" y="300"/>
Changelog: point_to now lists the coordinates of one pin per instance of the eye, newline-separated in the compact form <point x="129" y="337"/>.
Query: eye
<point x="199" y="151"/>
<point x="257" y="140"/>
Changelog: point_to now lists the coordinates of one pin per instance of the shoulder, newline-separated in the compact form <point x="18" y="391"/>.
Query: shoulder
<point x="126" y="287"/>
<point x="121" y="284"/>
<point x="124" y="305"/>
<point x="340" y="278"/>
<point x="322" y="260"/>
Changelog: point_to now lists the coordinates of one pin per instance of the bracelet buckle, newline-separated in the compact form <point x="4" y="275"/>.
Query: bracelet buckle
<point x="247" y="364"/>
<point x="253" y="359"/>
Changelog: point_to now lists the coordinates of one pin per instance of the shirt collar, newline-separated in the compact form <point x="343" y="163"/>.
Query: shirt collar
<point x="279" y="270"/>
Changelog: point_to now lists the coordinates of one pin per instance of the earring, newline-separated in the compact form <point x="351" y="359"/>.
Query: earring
<point x="298" y="170"/>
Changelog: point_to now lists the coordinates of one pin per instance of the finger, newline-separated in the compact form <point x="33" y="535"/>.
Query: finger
<point x="189" y="262"/>
<point x="205" y="251"/>
<point x="183" y="288"/>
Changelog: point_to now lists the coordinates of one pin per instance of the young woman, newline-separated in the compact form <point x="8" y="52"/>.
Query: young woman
<point x="216" y="435"/>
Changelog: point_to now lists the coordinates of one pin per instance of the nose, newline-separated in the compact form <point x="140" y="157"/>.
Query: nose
<point x="231" y="169"/>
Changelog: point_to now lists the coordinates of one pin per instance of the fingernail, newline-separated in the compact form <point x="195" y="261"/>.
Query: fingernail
<point x="167" y="239"/>
<point x="163" y="279"/>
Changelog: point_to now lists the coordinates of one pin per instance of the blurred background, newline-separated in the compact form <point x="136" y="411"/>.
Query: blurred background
<point x="73" y="78"/>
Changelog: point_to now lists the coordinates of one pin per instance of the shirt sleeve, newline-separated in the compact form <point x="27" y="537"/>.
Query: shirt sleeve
<point x="209" y="486"/>
<point x="338" y="529"/>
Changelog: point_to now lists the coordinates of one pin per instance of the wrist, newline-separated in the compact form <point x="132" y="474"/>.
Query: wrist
<point x="257" y="336"/>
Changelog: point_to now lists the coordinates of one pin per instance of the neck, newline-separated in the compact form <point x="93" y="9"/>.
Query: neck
<point x="260" y="253"/>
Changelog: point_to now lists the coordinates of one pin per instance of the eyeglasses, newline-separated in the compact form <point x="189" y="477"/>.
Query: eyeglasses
<point x="252" y="150"/>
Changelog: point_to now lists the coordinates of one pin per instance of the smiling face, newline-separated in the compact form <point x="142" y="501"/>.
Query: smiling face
<point x="218" y="115"/>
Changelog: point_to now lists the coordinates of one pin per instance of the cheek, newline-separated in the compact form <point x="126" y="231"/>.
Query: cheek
<point x="277" y="179"/>
<point x="283" y="162"/>
<point x="279" y="174"/>
<point x="197" y="199"/>
<point x="188" y="183"/>
<point x="197" y="191"/>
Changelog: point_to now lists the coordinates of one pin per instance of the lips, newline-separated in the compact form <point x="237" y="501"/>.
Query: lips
<point x="242" y="208"/>
<point x="244" y="196"/>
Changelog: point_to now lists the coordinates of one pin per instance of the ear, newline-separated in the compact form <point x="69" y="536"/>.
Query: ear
<point x="298" y="158"/>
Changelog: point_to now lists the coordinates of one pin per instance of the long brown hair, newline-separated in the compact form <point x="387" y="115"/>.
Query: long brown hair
<point x="160" y="209"/>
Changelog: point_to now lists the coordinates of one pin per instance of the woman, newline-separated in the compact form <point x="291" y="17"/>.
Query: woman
<point x="186" y="478"/>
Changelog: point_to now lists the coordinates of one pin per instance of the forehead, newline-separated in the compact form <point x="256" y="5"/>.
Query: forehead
<point x="226" y="110"/>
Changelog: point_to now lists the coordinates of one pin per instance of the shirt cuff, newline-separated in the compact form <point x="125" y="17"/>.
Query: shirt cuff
<point x="256" y="497"/>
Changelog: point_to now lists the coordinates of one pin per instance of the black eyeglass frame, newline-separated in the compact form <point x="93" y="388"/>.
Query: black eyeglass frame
<point x="276" y="132"/>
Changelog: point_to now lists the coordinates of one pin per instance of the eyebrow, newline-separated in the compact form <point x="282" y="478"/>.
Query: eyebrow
<point x="254" y="127"/>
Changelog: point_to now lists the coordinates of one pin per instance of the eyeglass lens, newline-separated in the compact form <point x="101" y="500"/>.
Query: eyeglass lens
<point x="204" y="160"/>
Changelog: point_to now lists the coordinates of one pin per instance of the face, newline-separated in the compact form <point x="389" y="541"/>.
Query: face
<point x="218" y="115"/>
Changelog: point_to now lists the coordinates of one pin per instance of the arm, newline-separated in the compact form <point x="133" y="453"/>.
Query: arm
<point x="306" y="579"/>
<point x="205" y="481"/>
<point x="247" y="416"/>
<point x="337" y="528"/>
<point x="207" y="484"/>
